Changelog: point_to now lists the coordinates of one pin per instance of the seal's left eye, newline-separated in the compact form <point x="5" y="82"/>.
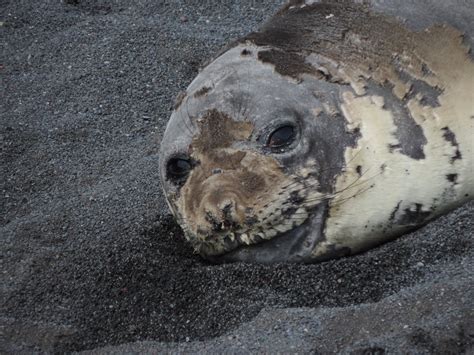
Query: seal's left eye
<point x="178" y="168"/>
<point x="281" y="137"/>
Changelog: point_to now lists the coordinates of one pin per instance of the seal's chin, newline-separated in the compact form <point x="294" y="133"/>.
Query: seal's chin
<point x="295" y="245"/>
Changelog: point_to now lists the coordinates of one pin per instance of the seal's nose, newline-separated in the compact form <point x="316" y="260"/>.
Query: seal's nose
<point x="222" y="216"/>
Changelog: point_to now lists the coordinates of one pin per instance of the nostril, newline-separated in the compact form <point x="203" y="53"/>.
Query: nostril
<point x="215" y="223"/>
<point x="227" y="210"/>
<point x="222" y="215"/>
<point x="228" y="216"/>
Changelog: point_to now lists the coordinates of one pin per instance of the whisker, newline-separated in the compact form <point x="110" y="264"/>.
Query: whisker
<point x="350" y="186"/>
<point x="342" y="201"/>
<point x="352" y="183"/>
<point x="363" y="182"/>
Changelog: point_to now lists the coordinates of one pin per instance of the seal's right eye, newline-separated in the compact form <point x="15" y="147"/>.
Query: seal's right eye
<point x="281" y="137"/>
<point x="178" y="168"/>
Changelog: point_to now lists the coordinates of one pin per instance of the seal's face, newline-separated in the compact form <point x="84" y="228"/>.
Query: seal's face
<point x="244" y="161"/>
<point x="234" y="194"/>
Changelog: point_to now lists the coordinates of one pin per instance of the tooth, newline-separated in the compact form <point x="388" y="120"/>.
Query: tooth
<point x="278" y="228"/>
<point x="271" y="233"/>
<point x="245" y="239"/>
<point x="282" y="228"/>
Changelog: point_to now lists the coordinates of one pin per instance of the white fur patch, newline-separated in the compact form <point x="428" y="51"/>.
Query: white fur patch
<point x="360" y="215"/>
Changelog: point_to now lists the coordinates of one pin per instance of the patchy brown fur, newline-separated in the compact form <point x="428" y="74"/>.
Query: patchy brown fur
<point x="230" y="190"/>
<point x="179" y="100"/>
<point x="202" y="91"/>
<point x="290" y="64"/>
<point x="362" y="42"/>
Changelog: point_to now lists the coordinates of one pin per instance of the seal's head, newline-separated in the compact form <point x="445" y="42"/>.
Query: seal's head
<point x="248" y="160"/>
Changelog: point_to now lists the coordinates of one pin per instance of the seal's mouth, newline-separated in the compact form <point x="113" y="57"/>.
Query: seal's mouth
<point x="225" y="220"/>
<point x="219" y="214"/>
<point x="293" y="245"/>
<point x="224" y="240"/>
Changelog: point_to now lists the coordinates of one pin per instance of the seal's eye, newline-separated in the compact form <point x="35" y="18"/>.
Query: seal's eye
<point x="281" y="136"/>
<point x="178" y="168"/>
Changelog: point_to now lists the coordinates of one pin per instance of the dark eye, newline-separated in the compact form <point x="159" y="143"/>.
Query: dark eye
<point x="281" y="137"/>
<point x="178" y="168"/>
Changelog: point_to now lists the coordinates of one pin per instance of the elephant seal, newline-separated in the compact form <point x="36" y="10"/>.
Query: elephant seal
<point x="337" y="126"/>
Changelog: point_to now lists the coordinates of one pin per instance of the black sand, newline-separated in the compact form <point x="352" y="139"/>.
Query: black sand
<point x="90" y="257"/>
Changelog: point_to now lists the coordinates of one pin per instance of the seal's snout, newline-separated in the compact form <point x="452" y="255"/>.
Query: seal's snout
<point x="220" y="220"/>
<point x="228" y="214"/>
<point x="222" y="212"/>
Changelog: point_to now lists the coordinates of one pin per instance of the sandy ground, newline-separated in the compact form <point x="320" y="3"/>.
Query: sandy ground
<point x="90" y="258"/>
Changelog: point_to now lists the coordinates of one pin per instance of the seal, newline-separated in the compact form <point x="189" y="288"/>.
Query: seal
<point x="338" y="126"/>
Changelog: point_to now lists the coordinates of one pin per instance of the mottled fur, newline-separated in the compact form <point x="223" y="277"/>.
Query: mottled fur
<point x="384" y="117"/>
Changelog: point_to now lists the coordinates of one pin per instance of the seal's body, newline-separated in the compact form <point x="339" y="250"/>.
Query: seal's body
<point x="334" y="128"/>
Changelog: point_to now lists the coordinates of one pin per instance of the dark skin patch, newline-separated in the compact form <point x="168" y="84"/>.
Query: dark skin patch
<point x="452" y="178"/>
<point x="414" y="216"/>
<point x="351" y="35"/>
<point x="286" y="63"/>
<point x="394" y="212"/>
<point x="425" y="70"/>
<point x="449" y="136"/>
<point x="289" y="211"/>
<point x="326" y="149"/>
<point x="218" y="130"/>
<point x="245" y="52"/>
<point x="430" y="94"/>
<point x="300" y="30"/>
<point x="409" y="134"/>
<point x="393" y="147"/>
<point x="295" y="198"/>
<point x="275" y="36"/>
<point x="202" y="91"/>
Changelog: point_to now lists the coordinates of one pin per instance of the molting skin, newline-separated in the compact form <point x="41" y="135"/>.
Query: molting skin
<point x="334" y="128"/>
